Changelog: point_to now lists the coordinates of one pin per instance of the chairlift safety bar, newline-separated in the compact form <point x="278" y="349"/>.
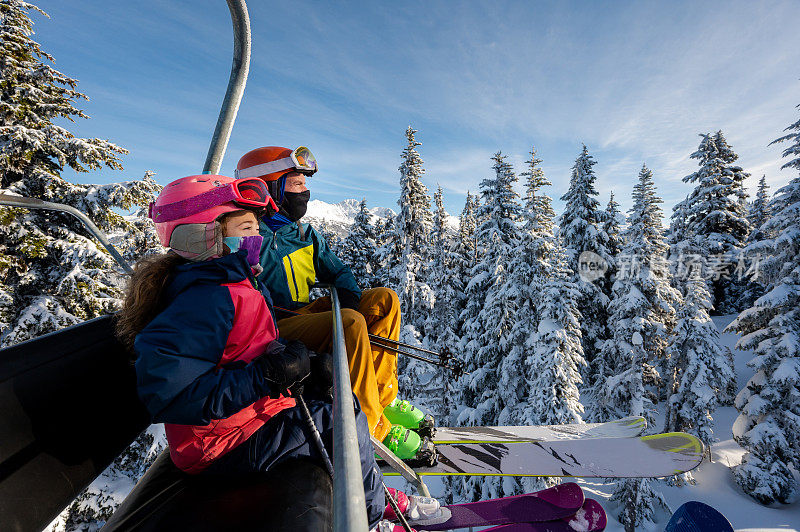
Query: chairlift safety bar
<point x="10" y="200"/>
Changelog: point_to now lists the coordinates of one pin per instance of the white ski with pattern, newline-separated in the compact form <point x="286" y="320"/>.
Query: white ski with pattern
<point x="659" y="455"/>
<point x="629" y="427"/>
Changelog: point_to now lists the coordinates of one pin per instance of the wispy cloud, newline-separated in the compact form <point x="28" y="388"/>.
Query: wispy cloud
<point x="635" y="82"/>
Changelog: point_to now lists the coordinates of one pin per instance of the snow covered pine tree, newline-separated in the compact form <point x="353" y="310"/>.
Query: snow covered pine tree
<point x="759" y="211"/>
<point x="642" y="314"/>
<point x="700" y="370"/>
<point x="465" y="254"/>
<point x="612" y="228"/>
<point x="413" y="225"/>
<point x="711" y="223"/>
<point x="408" y="259"/>
<point x="642" y="320"/>
<point x="555" y="355"/>
<point x="447" y="280"/>
<point x="467" y="224"/>
<point x="52" y="274"/>
<point x="768" y="426"/>
<point x="546" y="336"/>
<point x="358" y="248"/>
<point x="388" y="253"/>
<point x="581" y="230"/>
<point x="490" y="312"/>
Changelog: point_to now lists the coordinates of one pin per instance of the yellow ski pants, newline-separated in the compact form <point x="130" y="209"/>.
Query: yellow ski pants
<point x="373" y="370"/>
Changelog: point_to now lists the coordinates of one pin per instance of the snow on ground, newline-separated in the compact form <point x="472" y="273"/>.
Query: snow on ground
<point x="715" y="485"/>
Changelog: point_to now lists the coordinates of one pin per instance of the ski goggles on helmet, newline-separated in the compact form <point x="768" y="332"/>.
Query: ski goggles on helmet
<point x="301" y="159"/>
<point x="246" y="192"/>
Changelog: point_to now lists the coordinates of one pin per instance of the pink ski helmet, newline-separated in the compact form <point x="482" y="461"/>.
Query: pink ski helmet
<point x="186" y="212"/>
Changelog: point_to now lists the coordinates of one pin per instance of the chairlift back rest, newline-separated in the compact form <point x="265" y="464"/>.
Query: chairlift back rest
<point x="294" y="495"/>
<point x="68" y="408"/>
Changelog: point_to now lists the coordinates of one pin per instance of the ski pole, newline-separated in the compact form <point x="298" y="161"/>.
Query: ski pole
<point x="312" y="427"/>
<point x="374" y="337"/>
<point x="446" y="359"/>
<point x="396" y="508"/>
<point x="407" y="346"/>
<point x="315" y="435"/>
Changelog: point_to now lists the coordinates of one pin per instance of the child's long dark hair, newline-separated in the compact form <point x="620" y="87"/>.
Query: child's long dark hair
<point x="143" y="300"/>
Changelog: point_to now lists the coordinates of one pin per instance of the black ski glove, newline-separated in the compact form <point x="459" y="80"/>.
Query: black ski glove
<point x="321" y="381"/>
<point x="286" y="368"/>
<point x="347" y="299"/>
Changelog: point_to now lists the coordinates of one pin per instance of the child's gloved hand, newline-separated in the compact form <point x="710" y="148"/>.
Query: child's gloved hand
<point x="286" y="367"/>
<point x="321" y="381"/>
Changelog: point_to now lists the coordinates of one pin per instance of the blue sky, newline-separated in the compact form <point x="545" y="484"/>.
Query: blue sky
<point x="635" y="81"/>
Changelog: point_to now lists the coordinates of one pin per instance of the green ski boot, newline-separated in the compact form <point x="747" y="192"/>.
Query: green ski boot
<point x="402" y="442"/>
<point x="404" y="413"/>
<point x="409" y="447"/>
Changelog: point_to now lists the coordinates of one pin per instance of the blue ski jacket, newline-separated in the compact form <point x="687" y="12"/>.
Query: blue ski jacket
<point x="194" y="360"/>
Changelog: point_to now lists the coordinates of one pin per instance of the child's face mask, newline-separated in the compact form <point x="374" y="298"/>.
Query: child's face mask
<point x="251" y="243"/>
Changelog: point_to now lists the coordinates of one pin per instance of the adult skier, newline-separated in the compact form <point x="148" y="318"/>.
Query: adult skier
<point x="208" y="361"/>
<point x="294" y="255"/>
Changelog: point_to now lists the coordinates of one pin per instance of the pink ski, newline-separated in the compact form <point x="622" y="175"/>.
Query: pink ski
<point x="590" y="518"/>
<point x="553" y="503"/>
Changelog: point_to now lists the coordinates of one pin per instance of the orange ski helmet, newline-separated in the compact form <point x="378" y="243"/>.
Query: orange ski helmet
<point x="272" y="163"/>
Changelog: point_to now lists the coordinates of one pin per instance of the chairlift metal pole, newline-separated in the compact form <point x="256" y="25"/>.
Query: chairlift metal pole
<point x="236" y="84"/>
<point x="349" y="502"/>
<point x="32" y="203"/>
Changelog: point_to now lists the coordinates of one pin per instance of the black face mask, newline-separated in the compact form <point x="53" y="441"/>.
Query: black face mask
<point x="295" y="204"/>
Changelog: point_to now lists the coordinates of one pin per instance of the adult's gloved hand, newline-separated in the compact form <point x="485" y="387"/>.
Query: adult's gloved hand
<point x="286" y="367"/>
<point x="321" y="381"/>
<point x="347" y="299"/>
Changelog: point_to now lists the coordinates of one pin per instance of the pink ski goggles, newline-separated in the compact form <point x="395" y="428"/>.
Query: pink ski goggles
<point x="246" y="192"/>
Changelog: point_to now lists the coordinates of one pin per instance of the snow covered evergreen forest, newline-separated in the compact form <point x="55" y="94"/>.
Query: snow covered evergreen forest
<point x="583" y="315"/>
<point x="591" y="315"/>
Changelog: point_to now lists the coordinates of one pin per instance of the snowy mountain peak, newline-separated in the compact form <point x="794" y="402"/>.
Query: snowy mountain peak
<point x="338" y="217"/>
<point x="344" y="211"/>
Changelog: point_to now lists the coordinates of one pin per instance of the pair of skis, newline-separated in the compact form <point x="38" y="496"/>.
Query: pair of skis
<point x="613" y="449"/>
<point x="562" y="508"/>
